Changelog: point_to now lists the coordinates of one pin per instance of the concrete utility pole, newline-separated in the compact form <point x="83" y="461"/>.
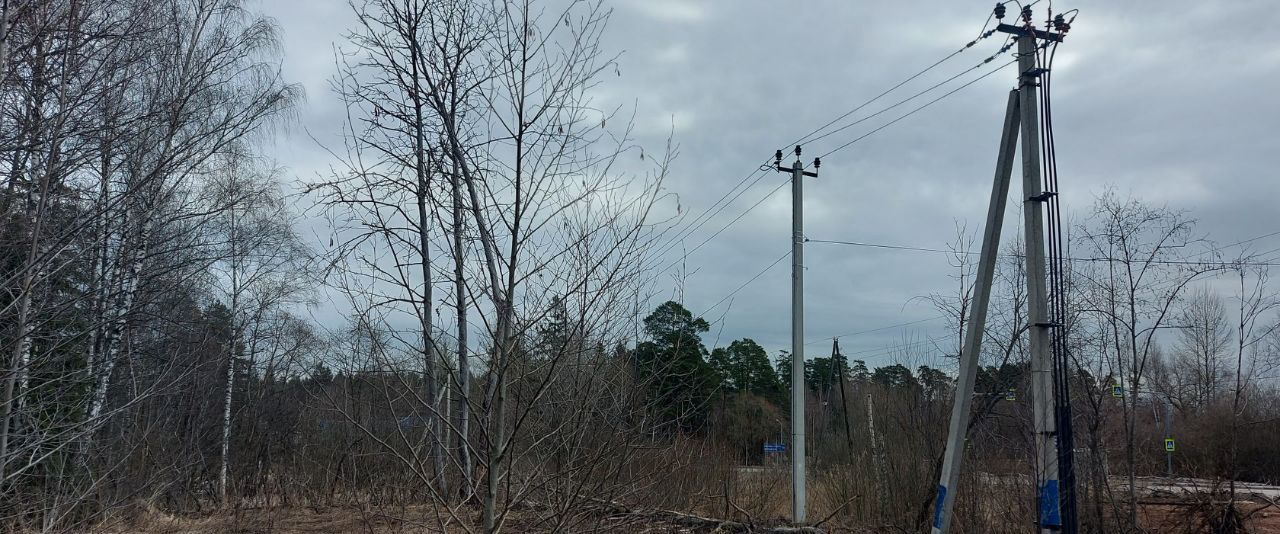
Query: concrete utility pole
<point x="962" y="405"/>
<point x="1050" y="517"/>
<point x="878" y="460"/>
<point x="1168" y="435"/>
<point x="797" y="330"/>
<point x="1021" y="117"/>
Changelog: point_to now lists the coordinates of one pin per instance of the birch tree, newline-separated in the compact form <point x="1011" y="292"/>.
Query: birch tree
<point x="112" y="113"/>
<point x="261" y="262"/>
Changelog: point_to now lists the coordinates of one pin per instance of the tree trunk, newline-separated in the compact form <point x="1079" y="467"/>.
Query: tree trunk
<point x="434" y="424"/>
<point x="463" y="423"/>
<point x="232" y="348"/>
<point x="111" y="349"/>
<point x="20" y="355"/>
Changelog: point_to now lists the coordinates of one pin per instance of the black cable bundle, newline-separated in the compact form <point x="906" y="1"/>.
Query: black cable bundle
<point x="1058" y="305"/>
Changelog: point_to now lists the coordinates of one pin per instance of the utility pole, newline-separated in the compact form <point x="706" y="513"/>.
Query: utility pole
<point x="962" y="405"/>
<point x="1021" y="117"/>
<point x="838" y="361"/>
<point x="1168" y="435"/>
<point x="1043" y="412"/>
<point x="797" y="329"/>
<point x="878" y="459"/>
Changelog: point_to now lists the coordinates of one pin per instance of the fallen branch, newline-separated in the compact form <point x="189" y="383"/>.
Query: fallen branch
<point x="834" y="512"/>
<point x="1270" y="503"/>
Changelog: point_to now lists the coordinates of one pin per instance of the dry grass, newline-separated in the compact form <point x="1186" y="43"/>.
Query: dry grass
<point x="356" y="519"/>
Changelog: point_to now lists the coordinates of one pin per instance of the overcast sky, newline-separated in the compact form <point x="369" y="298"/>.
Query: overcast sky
<point x="1172" y="101"/>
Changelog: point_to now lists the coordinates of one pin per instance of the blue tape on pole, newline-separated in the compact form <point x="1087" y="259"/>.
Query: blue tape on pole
<point x="1049" y="513"/>
<point x="937" y="506"/>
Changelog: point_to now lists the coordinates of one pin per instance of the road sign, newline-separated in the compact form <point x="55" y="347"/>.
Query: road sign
<point x="775" y="447"/>
<point x="1010" y="395"/>
<point x="1117" y="391"/>
<point x="1168" y="445"/>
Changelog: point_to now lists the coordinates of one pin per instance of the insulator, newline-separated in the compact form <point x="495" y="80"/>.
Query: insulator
<point x="777" y="157"/>
<point x="1000" y="11"/>
<point x="817" y="162"/>
<point x="797" y="151"/>
<point x="1026" y="14"/>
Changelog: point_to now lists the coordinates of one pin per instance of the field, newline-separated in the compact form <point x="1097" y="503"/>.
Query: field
<point x="1166" y="505"/>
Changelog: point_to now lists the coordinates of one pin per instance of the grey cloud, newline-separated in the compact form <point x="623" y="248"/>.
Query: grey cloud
<point x="1157" y="98"/>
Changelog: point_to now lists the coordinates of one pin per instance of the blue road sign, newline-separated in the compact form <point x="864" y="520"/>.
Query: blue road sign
<point x="775" y="447"/>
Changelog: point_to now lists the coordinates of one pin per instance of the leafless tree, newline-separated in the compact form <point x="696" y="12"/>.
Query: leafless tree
<point x="261" y="262"/>
<point x="1255" y="323"/>
<point x="112" y="114"/>
<point x="1190" y="379"/>
<point x="503" y="92"/>
<point x="1144" y="260"/>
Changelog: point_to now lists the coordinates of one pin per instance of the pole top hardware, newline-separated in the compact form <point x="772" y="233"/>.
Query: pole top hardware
<point x="1060" y="23"/>
<point x="777" y="164"/>
<point x="1020" y="31"/>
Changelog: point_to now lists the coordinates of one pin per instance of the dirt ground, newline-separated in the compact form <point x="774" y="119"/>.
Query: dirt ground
<point x="1175" y="518"/>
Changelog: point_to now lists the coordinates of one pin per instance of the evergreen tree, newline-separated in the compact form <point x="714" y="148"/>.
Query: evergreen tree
<point x="894" y="376"/>
<point x="934" y="381"/>
<point x="743" y="366"/>
<point x="823" y="373"/>
<point x="673" y="365"/>
<point x="555" y="336"/>
<point x="859" y="373"/>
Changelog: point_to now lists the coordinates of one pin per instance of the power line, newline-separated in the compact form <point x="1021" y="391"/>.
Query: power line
<point x="893" y="247"/>
<point x="864" y="136"/>
<point x="981" y="35"/>
<point x="880" y="329"/>
<point x="684" y="234"/>
<point x="706" y="215"/>
<point x="1079" y="259"/>
<point x="903" y="346"/>
<point x="745" y="284"/>
<point x="725" y="227"/>
<point x="1250" y="240"/>
<point x="914" y="111"/>
<point x="905" y="100"/>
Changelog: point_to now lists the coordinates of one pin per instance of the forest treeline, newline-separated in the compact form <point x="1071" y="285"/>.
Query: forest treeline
<point x="490" y="249"/>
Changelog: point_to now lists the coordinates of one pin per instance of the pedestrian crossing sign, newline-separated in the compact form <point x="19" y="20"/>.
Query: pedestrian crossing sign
<point x="1168" y="445"/>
